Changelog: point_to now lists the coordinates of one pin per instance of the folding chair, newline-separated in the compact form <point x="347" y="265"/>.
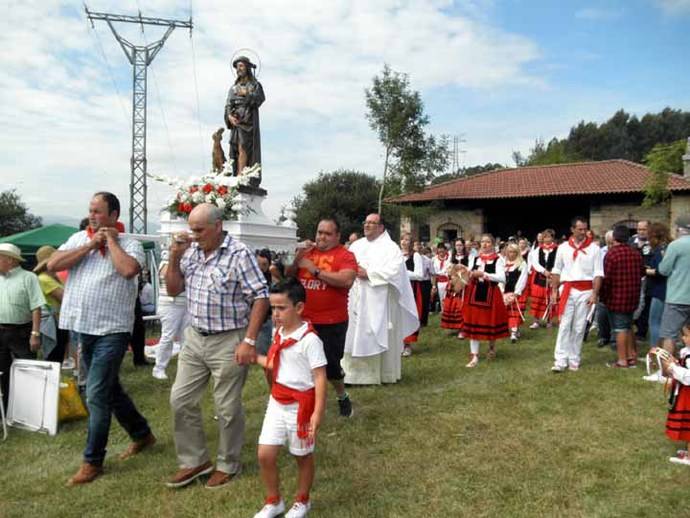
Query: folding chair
<point x="34" y="393"/>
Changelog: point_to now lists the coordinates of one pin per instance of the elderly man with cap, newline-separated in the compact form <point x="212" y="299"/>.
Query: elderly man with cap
<point x="676" y="267"/>
<point x="20" y="313"/>
<point x="242" y="116"/>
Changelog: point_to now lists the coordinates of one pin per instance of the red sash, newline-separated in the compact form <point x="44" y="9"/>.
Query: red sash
<point x="442" y="278"/>
<point x="90" y="232"/>
<point x="305" y="399"/>
<point x="569" y="285"/>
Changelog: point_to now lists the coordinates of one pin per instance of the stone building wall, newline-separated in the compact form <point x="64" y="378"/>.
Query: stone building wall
<point x="680" y="206"/>
<point x="603" y="217"/>
<point x="469" y="222"/>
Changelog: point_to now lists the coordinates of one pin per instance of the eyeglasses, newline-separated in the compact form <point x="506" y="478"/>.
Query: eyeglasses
<point x="372" y="223"/>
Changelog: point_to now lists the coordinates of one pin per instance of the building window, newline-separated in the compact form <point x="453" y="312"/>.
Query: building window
<point x="424" y="233"/>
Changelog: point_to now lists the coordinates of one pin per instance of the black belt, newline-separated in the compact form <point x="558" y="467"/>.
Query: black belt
<point x="210" y="333"/>
<point x="14" y="326"/>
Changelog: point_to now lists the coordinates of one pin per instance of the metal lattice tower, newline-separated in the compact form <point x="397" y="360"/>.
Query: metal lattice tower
<point x="140" y="57"/>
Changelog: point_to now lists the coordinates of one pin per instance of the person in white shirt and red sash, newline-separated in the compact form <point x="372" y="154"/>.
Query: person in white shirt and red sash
<point x="297" y="404"/>
<point x="483" y="311"/>
<point x="415" y="271"/>
<point x="579" y="268"/>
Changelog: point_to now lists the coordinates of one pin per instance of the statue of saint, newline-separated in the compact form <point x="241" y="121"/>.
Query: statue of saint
<point x="242" y="116"/>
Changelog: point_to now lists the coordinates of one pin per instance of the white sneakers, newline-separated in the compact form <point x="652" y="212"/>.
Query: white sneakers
<point x="298" y="510"/>
<point x="558" y="368"/>
<point x="680" y="458"/>
<point x="271" y="510"/>
<point x="159" y="374"/>
<point x="657" y="376"/>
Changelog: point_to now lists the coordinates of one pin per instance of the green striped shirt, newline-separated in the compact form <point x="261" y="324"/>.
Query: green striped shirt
<point x="20" y="294"/>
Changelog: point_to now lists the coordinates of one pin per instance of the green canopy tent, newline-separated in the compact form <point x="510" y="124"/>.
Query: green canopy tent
<point x="31" y="240"/>
<point x="53" y="235"/>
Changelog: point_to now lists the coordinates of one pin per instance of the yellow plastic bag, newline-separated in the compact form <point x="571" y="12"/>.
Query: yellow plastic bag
<point x="70" y="405"/>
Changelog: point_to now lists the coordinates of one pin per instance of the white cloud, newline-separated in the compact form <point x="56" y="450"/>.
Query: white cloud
<point x="674" y="7"/>
<point x="66" y="136"/>
<point x="598" y="13"/>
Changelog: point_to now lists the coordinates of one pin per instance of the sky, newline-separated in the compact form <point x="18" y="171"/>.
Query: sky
<point x="499" y="74"/>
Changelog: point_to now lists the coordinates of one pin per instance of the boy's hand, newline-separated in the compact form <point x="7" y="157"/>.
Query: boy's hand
<point x="314" y="424"/>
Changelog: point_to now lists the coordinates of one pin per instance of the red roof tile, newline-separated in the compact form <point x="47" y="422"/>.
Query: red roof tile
<point x="605" y="177"/>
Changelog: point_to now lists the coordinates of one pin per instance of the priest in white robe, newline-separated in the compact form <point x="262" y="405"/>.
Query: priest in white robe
<point x="381" y="307"/>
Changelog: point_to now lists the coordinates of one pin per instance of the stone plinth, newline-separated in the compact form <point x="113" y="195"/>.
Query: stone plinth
<point x="252" y="227"/>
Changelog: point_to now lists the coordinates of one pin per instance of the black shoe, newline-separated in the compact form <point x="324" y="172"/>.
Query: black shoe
<point x="345" y="406"/>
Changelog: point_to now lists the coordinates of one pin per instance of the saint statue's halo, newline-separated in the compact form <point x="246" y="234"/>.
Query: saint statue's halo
<point x="253" y="57"/>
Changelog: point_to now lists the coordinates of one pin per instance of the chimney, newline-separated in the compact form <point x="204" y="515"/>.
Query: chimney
<point x="686" y="162"/>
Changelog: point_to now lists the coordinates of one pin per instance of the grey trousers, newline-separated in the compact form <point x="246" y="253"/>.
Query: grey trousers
<point x="203" y="358"/>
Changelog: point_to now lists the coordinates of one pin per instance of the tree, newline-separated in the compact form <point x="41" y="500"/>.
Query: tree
<point x="555" y="152"/>
<point x="345" y="195"/>
<point x="396" y="114"/>
<point x="662" y="160"/>
<point x="14" y="216"/>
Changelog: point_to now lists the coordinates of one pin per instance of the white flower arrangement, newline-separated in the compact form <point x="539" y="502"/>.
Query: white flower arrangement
<point x="219" y="189"/>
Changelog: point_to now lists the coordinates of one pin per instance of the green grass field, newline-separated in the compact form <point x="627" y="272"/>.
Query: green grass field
<point x="508" y="438"/>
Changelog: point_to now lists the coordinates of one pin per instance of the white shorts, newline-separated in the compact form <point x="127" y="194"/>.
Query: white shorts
<point x="280" y="428"/>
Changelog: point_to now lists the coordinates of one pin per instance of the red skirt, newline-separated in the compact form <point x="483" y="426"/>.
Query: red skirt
<point x="515" y="317"/>
<point x="419" y="301"/>
<point x="678" y="420"/>
<point x="451" y="317"/>
<point x="539" y="298"/>
<point x="484" y="313"/>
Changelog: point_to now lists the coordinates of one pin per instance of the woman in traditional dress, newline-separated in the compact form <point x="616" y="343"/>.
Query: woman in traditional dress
<point x="543" y="259"/>
<point x="483" y="311"/>
<point x="451" y="317"/>
<point x="415" y="271"/>
<point x="514" y="290"/>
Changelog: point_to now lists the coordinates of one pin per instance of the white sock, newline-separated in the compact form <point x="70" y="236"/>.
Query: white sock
<point x="474" y="346"/>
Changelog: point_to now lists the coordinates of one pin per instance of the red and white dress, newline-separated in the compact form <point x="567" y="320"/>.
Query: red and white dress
<point x="543" y="259"/>
<point x="678" y="420"/>
<point x="440" y="271"/>
<point x="451" y="316"/>
<point x="483" y="311"/>
<point x="516" y="281"/>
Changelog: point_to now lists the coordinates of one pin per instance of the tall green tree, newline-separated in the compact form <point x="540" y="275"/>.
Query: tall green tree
<point x="662" y="160"/>
<point x="14" y="215"/>
<point x="345" y="195"/>
<point x="396" y="113"/>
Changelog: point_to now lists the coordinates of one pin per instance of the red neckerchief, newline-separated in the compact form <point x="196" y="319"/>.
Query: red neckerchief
<point x="306" y="400"/>
<point x="580" y="248"/>
<point x="487" y="258"/>
<point x="90" y="232"/>
<point x="548" y="247"/>
<point x="442" y="261"/>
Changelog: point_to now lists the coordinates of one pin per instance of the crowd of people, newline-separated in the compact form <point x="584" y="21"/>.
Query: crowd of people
<point x="338" y="314"/>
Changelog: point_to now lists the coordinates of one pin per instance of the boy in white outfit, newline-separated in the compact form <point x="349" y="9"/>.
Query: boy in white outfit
<point x="298" y="399"/>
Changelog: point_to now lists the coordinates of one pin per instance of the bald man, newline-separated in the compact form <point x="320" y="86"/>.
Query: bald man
<point x="227" y="301"/>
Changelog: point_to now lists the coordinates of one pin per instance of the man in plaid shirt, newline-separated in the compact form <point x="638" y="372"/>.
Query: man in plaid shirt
<point x="621" y="294"/>
<point x="227" y="301"/>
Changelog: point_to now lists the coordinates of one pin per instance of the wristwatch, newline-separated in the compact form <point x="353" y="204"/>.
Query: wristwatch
<point x="35" y="333"/>
<point x="250" y="341"/>
<point x="317" y="272"/>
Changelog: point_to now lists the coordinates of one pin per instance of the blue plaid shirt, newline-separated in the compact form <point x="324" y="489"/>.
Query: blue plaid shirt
<point x="221" y="288"/>
<point x="98" y="300"/>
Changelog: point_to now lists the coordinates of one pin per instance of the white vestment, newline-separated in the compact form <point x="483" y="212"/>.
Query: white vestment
<point x="382" y="312"/>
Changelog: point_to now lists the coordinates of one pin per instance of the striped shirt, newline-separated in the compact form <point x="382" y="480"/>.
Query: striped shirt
<point x="221" y="288"/>
<point x="20" y="294"/>
<point x="98" y="300"/>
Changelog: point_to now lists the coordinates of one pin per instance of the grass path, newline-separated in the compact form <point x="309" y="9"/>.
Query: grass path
<point x="508" y="438"/>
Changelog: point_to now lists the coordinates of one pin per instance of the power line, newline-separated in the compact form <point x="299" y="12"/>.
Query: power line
<point x="99" y="45"/>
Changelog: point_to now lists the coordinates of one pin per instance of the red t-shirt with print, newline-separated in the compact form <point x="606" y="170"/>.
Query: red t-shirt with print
<point x="326" y="304"/>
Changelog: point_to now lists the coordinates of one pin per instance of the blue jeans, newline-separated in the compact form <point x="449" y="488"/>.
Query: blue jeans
<point x="105" y="396"/>
<point x="656" y="309"/>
